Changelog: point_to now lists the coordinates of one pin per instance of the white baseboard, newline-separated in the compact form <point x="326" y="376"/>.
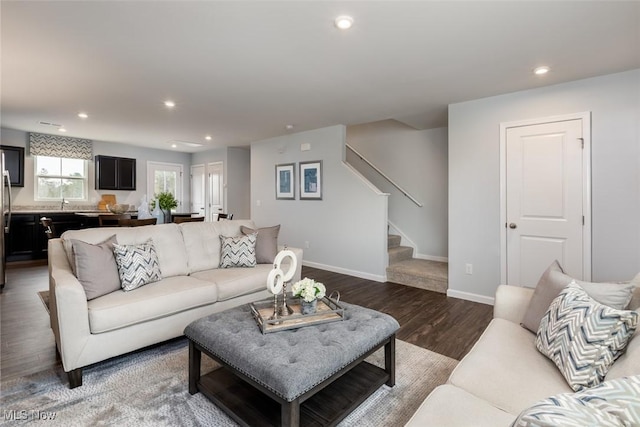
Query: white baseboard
<point x="470" y="297"/>
<point x="346" y="271"/>
<point x="431" y="257"/>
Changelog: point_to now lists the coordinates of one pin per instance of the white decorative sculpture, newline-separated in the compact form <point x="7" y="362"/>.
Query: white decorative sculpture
<point x="277" y="282"/>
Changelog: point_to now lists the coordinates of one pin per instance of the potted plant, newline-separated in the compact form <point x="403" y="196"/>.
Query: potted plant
<point x="166" y="202"/>
<point x="308" y="290"/>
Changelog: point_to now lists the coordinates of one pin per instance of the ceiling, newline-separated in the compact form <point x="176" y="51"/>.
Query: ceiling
<point x="241" y="71"/>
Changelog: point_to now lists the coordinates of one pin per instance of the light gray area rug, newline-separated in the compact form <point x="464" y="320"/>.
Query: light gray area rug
<point x="149" y="388"/>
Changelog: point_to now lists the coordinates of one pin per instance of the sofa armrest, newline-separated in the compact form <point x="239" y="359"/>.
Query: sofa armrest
<point x="511" y="302"/>
<point x="69" y="312"/>
<point x="298" y="253"/>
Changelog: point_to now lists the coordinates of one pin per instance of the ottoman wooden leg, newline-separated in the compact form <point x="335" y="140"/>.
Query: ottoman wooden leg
<point x="194" y="367"/>
<point x="290" y="414"/>
<point x="390" y="360"/>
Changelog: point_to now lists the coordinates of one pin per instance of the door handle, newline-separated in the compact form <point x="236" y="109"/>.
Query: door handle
<point x="513" y="225"/>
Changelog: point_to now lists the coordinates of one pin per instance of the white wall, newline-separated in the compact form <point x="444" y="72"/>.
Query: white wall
<point x="238" y="172"/>
<point x="417" y="161"/>
<point x="474" y="171"/>
<point x="24" y="196"/>
<point x="347" y="229"/>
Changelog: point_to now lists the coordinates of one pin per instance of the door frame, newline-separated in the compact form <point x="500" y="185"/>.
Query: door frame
<point x="586" y="188"/>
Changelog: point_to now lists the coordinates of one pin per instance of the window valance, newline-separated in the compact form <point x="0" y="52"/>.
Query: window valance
<point x="41" y="144"/>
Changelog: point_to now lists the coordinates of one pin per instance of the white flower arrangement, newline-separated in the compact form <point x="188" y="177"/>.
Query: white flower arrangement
<point x="308" y="289"/>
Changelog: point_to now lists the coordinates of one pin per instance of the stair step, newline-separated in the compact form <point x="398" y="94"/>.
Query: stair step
<point x="399" y="253"/>
<point x="393" y="241"/>
<point x="420" y="273"/>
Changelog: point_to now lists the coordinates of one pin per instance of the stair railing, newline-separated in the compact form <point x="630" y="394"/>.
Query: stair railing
<point x="385" y="176"/>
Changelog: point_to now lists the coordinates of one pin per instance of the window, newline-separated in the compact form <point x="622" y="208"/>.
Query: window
<point x="57" y="178"/>
<point x="164" y="177"/>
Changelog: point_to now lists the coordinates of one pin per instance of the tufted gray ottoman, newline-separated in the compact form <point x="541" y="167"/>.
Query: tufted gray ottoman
<point x="315" y="375"/>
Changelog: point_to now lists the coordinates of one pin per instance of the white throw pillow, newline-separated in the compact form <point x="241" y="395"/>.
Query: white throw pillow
<point x="137" y="264"/>
<point x="238" y="251"/>
<point x="583" y="337"/>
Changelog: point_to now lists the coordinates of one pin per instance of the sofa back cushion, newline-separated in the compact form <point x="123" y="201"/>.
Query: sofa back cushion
<point x="202" y="241"/>
<point x="167" y="240"/>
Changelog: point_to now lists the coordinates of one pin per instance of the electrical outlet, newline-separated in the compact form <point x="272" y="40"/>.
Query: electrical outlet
<point x="306" y="245"/>
<point x="468" y="268"/>
<point x="258" y="203"/>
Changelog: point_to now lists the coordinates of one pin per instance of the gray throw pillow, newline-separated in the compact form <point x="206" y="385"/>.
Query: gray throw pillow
<point x="553" y="281"/>
<point x="266" y="244"/>
<point x="137" y="265"/>
<point x="95" y="267"/>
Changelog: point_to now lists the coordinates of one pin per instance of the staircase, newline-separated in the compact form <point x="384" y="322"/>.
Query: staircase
<point x="419" y="273"/>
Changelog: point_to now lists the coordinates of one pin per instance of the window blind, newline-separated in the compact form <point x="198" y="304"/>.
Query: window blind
<point x="41" y="144"/>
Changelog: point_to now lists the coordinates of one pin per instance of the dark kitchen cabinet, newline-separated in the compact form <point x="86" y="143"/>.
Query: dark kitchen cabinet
<point x="26" y="239"/>
<point x="22" y="240"/>
<point x="14" y="163"/>
<point x="115" y="173"/>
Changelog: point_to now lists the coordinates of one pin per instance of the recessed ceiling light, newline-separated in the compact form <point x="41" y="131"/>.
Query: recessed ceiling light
<point x="541" y="70"/>
<point x="288" y="127"/>
<point x="343" y="22"/>
<point x="83" y="115"/>
<point x="62" y="129"/>
<point x="169" y="104"/>
<point x="173" y="145"/>
<point x="208" y="137"/>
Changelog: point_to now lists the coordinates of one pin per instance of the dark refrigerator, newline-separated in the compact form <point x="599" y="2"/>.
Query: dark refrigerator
<point x="5" y="218"/>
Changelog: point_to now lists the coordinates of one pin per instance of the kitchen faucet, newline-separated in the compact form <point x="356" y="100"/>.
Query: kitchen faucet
<point x="64" y="202"/>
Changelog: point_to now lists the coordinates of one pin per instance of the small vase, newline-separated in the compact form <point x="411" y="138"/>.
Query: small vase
<point x="309" y="307"/>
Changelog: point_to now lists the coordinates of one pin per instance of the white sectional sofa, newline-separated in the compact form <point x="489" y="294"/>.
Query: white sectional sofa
<point x="504" y="373"/>
<point x="192" y="286"/>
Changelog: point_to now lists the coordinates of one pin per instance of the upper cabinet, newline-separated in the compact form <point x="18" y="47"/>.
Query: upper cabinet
<point x="14" y="163"/>
<point x="115" y="173"/>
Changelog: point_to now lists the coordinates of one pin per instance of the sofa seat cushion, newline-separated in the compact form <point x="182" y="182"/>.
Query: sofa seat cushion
<point x="234" y="282"/>
<point x="451" y="406"/>
<point x="505" y="369"/>
<point x="169" y="296"/>
<point x="167" y="241"/>
<point x="202" y="241"/>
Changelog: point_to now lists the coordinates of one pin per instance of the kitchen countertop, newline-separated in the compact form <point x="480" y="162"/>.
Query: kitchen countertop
<point x="60" y="211"/>
<point x="95" y="214"/>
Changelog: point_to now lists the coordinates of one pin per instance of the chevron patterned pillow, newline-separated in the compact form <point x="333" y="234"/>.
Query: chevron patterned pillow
<point x="612" y="403"/>
<point x="583" y="337"/>
<point x="137" y="264"/>
<point x="238" y="251"/>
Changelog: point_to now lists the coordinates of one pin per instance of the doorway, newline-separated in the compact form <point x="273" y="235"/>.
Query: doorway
<point x="198" y="190"/>
<point x="215" y="202"/>
<point x="545" y="197"/>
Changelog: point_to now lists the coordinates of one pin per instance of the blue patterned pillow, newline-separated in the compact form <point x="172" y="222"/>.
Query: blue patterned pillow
<point x="137" y="264"/>
<point x="612" y="403"/>
<point x="238" y="251"/>
<point x="583" y="337"/>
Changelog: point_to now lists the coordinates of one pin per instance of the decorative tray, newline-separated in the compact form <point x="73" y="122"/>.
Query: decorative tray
<point x="328" y="310"/>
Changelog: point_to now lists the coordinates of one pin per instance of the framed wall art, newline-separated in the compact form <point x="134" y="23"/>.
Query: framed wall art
<point x="285" y="181"/>
<point x="311" y="180"/>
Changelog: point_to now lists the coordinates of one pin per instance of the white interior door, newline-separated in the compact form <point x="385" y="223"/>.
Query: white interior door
<point x="198" y="189"/>
<point x="545" y="191"/>
<point x="215" y="202"/>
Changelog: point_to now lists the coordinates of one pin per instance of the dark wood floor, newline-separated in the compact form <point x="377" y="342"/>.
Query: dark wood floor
<point x="445" y="325"/>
